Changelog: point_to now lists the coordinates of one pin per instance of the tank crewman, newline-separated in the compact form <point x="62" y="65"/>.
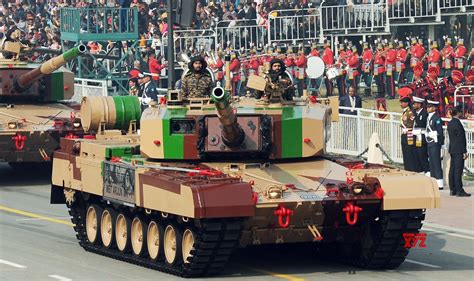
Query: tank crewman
<point x="447" y="56"/>
<point x="235" y="70"/>
<point x="460" y="56"/>
<point x="434" y="56"/>
<point x="148" y="90"/>
<point x="154" y="66"/>
<point x="279" y="87"/>
<point x="419" y="128"/>
<point x="300" y="63"/>
<point x="197" y="83"/>
<point x="408" y="118"/>
<point x="435" y="139"/>
<point x="400" y="64"/>
<point x="379" y="69"/>
<point x="390" y="61"/>
<point x="366" y="67"/>
<point x="353" y="71"/>
<point x="341" y="63"/>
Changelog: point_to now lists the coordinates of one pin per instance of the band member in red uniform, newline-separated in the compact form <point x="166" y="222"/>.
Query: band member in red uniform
<point x="434" y="56"/>
<point x="218" y="67"/>
<point x="265" y="60"/>
<point x="419" y="85"/>
<point x="447" y="57"/>
<point x="390" y="61"/>
<point x="341" y="63"/>
<point x="235" y="70"/>
<point x="460" y="56"/>
<point x="300" y="63"/>
<point x="417" y="52"/>
<point x="253" y="62"/>
<point x="400" y="64"/>
<point x="353" y="72"/>
<point x="379" y="69"/>
<point x="290" y="61"/>
<point x="314" y="50"/>
<point x="366" y="67"/>
<point x="436" y="88"/>
<point x="328" y="59"/>
<point x="154" y="67"/>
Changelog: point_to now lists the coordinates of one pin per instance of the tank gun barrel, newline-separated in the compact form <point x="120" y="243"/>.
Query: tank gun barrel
<point x="25" y="80"/>
<point x="232" y="133"/>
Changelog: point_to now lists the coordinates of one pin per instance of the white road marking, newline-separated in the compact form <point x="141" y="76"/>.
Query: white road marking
<point x="448" y="228"/>
<point x="448" y="233"/>
<point x="12" y="264"/>
<point x="422" y="263"/>
<point x="59" y="277"/>
<point x="37" y="219"/>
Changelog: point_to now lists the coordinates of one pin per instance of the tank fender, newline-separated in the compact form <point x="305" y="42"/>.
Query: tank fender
<point x="409" y="191"/>
<point x="57" y="195"/>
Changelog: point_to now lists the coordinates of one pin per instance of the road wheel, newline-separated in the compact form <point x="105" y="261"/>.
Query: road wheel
<point x="187" y="244"/>
<point x="138" y="236"/>
<point x="154" y="240"/>
<point x="172" y="245"/>
<point x="92" y="223"/>
<point x="122" y="232"/>
<point x="107" y="227"/>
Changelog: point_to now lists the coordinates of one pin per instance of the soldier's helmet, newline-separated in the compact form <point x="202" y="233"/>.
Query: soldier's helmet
<point x="327" y="44"/>
<point x="448" y="41"/>
<point x="401" y="44"/>
<point x="434" y="44"/>
<point x="413" y="41"/>
<point x="460" y="41"/>
<point x="195" y="59"/>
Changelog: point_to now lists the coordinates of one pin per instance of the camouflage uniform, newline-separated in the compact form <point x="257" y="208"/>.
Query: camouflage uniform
<point x="197" y="84"/>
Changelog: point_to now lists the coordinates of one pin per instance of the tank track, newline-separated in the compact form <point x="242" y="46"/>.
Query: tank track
<point x="215" y="241"/>
<point x="385" y="247"/>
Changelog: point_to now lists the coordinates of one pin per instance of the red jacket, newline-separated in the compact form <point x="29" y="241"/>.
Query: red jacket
<point x="328" y="57"/>
<point x="300" y="62"/>
<point x="155" y="68"/>
<point x="379" y="61"/>
<point x="402" y="55"/>
<point x="459" y="56"/>
<point x="133" y="73"/>
<point x="447" y="53"/>
<point x="314" y="53"/>
<point x="353" y="62"/>
<point x="253" y="66"/>
<point x="235" y="69"/>
<point x="434" y="57"/>
<point x="219" y="67"/>
<point x="367" y="56"/>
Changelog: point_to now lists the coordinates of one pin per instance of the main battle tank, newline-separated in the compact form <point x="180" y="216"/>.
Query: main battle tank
<point x="205" y="176"/>
<point x="33" y="114"/>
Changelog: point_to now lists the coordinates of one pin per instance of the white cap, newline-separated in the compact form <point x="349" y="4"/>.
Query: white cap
<point x="433" y="102"/>
<point x="417" y="99"/>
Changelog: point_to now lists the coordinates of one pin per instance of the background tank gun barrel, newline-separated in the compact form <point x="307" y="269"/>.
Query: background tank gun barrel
<point x="27" y="79"/>
<point x="232" y="133"/>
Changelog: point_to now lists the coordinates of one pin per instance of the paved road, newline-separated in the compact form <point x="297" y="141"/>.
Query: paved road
<point x="38" y="243"/>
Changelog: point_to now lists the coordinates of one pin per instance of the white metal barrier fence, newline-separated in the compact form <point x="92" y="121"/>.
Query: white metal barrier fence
<point x="200" y="40"/>
<point x="456" y="4"/>
<point x="89" y="87"/>
<point x="411" y="9"/>
<point x="241" y="34"/>
<point x="293" y="25"/>
<point x="364" y="18"/>
<point x="351" y="134"/>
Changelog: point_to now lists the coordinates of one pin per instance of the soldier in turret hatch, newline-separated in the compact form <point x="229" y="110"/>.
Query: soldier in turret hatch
<point x="197" y="83"/>
<point x="279" y="86"/>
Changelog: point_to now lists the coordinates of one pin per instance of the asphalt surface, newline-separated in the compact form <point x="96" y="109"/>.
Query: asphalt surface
<point x="38" y="243"/>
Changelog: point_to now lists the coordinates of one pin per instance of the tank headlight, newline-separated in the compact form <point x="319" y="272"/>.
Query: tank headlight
<point x="274" y="192"/>
<point x="12" y="125"/>
<point x="357" y="188"/>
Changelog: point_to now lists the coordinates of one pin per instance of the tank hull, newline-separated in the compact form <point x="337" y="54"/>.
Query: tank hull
<point x="31" y="133"/>
<point x="225" y="205"/>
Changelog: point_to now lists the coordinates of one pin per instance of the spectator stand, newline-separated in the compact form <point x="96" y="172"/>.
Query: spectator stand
<point x="414" y="12"/>
<point x="241" y="34"/>
<point x="191" y="41"/>
<point x="102" y="28"/>
<point x="456" y="7"/>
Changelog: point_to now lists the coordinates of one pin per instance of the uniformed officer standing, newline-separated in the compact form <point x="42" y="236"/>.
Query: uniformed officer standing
<point x="353" y="70"/>
<point x="435" y="139"/>
<point x="400" y="66"/>
<point x="458" y="152"/>
<point x="408" y="118"/>
<point x="419" y="128"/>
<point x="379" y="69"/>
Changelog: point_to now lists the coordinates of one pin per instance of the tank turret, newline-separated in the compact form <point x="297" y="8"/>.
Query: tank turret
<point x="44" y="82"/>
<point x="232" y="133"/>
